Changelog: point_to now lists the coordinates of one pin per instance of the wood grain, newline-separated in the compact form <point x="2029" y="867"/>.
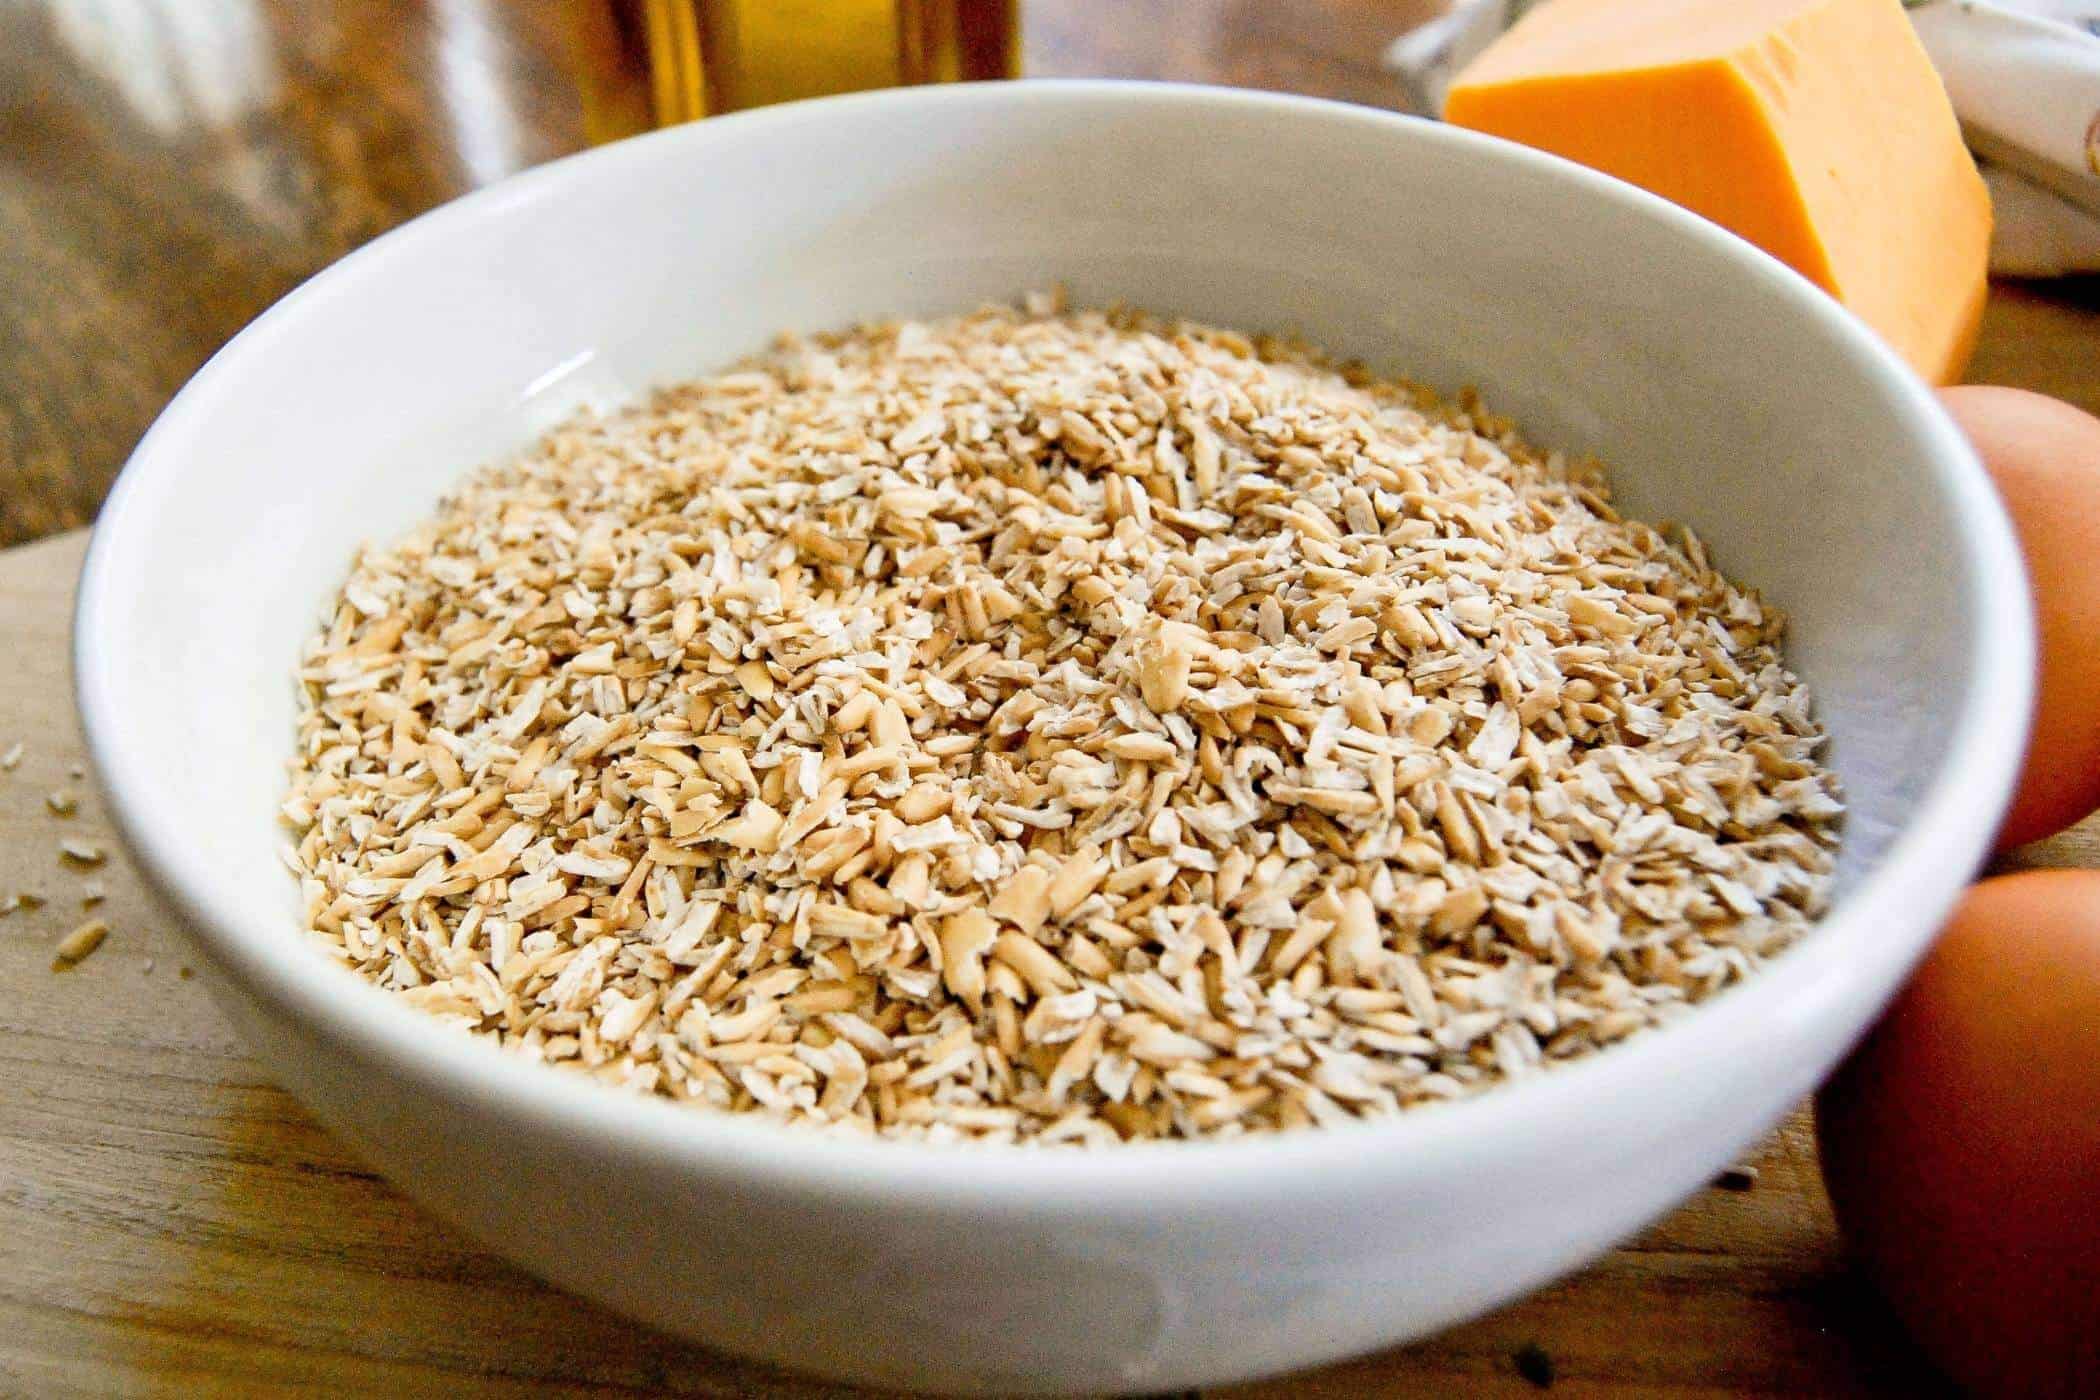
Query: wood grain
<point x="172" y="1224"/>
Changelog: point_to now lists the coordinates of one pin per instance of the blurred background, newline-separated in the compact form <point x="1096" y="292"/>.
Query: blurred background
<point x="168" y="168"/>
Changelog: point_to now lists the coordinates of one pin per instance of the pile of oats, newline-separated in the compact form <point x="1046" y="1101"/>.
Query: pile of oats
<point x="1060" y="727"/>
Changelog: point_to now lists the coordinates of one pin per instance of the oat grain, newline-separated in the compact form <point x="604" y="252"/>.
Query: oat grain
<point x="1057" y="727"/>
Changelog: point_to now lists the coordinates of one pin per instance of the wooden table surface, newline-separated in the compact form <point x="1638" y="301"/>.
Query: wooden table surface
<point x="169" y="1223"/>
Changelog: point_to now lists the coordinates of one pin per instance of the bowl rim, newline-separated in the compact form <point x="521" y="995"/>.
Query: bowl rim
<point x="1849" y="952"/>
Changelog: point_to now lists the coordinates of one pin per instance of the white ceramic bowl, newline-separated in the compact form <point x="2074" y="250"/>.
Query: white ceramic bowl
<point x="1726" y="391"/>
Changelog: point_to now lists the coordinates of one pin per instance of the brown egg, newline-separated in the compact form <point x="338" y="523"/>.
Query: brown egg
<point x="2045" y="457"/>
<point x="1961" y="1142"/>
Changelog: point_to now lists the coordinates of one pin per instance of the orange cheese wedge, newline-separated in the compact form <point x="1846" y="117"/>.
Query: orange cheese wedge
<point x="1817" y="129"/>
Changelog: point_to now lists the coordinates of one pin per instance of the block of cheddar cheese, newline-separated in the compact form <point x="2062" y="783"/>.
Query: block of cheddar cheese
<point x="1817" y="129"/>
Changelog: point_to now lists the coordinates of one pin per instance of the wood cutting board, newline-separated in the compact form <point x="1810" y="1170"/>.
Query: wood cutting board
<point x="170" y="1223"/>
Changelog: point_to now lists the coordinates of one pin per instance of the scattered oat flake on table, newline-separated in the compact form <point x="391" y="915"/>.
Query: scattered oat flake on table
<point x="81" y="852"/>
<point x="78" y="944"/>
<point x="62" y="803"/>
<point x="12" y="759"/>
<point x="1051" y="727"/>
<point x="93" y="893"/>
<point x="29" y="899"/>
<point x="76" y="771"/>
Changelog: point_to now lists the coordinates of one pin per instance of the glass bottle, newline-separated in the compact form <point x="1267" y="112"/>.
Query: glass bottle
<point x="650" y="63"/>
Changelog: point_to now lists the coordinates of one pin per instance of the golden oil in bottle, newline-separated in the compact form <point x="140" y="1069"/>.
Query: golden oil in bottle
<point x="648" y="63"/>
